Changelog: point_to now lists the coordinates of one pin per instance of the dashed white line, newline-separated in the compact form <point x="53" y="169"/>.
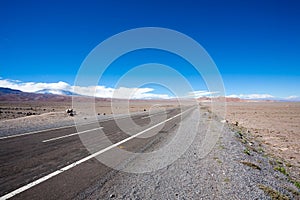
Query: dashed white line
<point x="72" y="134"/>
<point x="151" y="115"/>
<point x="62" y="127"/>
<point x="57" y="172"/>
<point x="33" y="132"/>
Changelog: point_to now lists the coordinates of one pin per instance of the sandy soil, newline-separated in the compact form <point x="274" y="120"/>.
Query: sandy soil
<point x="275" y="124"/>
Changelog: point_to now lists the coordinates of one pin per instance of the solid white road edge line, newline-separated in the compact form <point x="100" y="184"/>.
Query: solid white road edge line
<point x="72" y="134"/>
<point x="57" y="172"/>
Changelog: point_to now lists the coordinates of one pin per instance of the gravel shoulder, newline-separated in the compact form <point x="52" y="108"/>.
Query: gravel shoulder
<point x="236" y="168"/>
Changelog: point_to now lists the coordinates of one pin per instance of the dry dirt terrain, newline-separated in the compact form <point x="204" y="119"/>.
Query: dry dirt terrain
<point x="276" y="125"/>
<point x="17" y="109"/>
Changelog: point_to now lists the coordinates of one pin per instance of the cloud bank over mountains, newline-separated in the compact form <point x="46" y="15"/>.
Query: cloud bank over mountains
<point x="252" y="96"/>
<point x="63" y="88"/>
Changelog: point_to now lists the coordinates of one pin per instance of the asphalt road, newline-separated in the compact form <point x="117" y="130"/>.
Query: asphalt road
<point x="54" y="164"/>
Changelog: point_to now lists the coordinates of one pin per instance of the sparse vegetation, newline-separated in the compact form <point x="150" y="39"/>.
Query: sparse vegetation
<point x="244" y="141"/>
<point x="294" y="192"/>
<point x="297" y="184"/>
<point x="273" y="193"/>
<point x="288" y="164"/>
<point x="239" y="134"/>
<point x="281" y="169"/>
<point x="226" y="180"/>
<point x="249" y="164"/>
<point x="272" y="162"/>
<point x="279" y="162"/>
<point x="218" y="160"/>
<point x="260" y="150"/>
<point x="247" y="151"/>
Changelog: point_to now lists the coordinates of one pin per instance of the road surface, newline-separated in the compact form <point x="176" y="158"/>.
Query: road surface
<point x="54" y="164"/>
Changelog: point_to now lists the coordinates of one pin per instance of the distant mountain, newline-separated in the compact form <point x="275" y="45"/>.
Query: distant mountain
<point x="221" y="99"/>
<point x="231" y="99"/>
<point x="57" y="92"/>
<point x="293" y="99"/>
<point x="7" y="94"/>
<point x="9" y="91"/>
<point x="236" y="99"/>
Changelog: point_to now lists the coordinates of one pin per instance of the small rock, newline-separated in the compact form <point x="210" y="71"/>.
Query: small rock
<point x="112" y="196"/>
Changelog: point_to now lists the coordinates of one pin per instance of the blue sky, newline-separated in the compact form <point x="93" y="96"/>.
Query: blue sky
<point x="255" y="44"/>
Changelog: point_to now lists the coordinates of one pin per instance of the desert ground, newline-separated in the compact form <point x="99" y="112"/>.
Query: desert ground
<point x="276" y="125"/>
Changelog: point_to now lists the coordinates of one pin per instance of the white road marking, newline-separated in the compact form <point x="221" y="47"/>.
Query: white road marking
<point x="72" y="134"/>
<point x="62" y="127"/>
<point x="146" y="117"/>
<point x="33" y="132"/>
<point x="57" y="172"/>
<point x="151" y="115"/>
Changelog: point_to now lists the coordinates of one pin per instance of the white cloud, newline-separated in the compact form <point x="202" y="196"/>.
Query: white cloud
<point x="122" y="92"/>
<point x="251" y="96"/>
<point x="97" y="91"/>
<point x="201" y="93"/>
<point x="292" y="97"/>
<point x="32" y="86"/>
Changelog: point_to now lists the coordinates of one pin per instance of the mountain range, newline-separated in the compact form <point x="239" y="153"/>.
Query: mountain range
<point x="8" y="94"/>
